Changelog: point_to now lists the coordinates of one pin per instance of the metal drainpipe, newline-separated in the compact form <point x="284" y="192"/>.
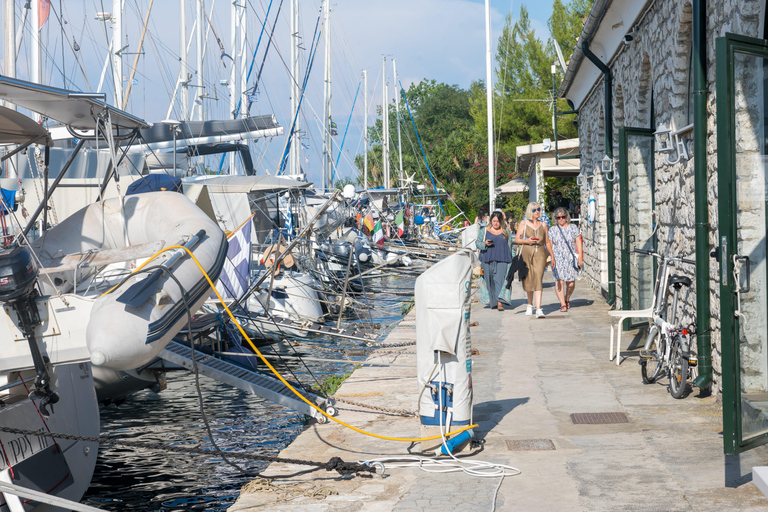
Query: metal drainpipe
<point x="700" y="192"/>
<point x="608" y="113"/>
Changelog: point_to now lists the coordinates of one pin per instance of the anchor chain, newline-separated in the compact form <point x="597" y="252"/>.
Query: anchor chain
<point x="398" y="412"/>
<point x="333" y="464"/>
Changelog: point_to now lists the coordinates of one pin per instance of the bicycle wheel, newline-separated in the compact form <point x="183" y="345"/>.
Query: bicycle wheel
<point x="678" y="369"/>
<point x="650" y="368"/>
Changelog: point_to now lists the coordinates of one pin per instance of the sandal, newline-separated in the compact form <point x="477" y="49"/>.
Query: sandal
<point x="500" y="307"/>
<point x="568" y="304"/>
<point x="563" y="309"/>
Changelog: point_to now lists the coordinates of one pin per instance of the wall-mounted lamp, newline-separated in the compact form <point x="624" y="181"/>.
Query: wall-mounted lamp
<point x="582" y="179"/>
<point x="608" y="166"/>
<point x="669" y="141"/>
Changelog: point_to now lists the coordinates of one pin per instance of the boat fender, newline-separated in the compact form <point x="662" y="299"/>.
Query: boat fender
<point x="592" y="209"/>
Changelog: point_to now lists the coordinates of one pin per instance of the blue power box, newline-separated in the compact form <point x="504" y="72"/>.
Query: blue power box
<point x="446" y="399"/>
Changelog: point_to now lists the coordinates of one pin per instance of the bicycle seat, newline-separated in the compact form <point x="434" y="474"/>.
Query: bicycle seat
<point x="679" y="281"/>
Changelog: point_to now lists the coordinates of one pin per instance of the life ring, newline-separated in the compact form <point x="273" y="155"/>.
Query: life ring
<point x="592" y="209"/>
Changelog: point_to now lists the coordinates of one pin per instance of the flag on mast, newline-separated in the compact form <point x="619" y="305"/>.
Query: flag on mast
<point x="368" y="221"/>
<point x="235" y="275"/>
<point x="400" y="223"/>
<point x="378" y="233"/>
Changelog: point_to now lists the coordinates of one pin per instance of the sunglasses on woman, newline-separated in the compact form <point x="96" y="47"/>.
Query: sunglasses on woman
<point x="560" y="217"/>
<point x="536" y="210"/>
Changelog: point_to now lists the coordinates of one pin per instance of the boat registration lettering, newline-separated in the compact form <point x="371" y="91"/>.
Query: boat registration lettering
<point x="21" y="447"/>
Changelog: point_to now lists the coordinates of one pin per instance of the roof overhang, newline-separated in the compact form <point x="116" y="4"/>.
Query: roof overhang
<point x="512" y="187"/>
<point x="72" y="108"/>
<point x="546" y="153"/>
<point x="607" y="24"/>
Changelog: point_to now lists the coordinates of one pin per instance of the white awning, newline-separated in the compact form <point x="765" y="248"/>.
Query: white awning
<point x="561" y="167"/>
<point x="512" y="187"/>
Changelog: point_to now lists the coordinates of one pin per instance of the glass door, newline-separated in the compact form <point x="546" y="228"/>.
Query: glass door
<point x="636" y="183"/>
<point x="742" y="122"/>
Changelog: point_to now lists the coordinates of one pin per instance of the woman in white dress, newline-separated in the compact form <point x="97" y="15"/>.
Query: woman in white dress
<point x="566" y="246"/>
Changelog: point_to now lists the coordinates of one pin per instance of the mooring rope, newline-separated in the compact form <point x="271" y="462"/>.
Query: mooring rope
<point x="333" y="464"/>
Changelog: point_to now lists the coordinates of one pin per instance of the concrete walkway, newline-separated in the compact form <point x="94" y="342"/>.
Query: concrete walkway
<point x="529" y="377"/>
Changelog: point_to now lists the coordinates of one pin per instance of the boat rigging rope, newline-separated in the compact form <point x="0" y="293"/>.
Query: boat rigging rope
<point x="276" y="373"/>
<point x="333" y="464"/>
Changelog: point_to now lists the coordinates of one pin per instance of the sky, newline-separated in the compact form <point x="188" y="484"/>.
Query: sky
<point x="442" y="40"/>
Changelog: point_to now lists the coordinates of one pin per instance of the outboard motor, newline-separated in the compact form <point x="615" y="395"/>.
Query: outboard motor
<point x="18" y="276"/>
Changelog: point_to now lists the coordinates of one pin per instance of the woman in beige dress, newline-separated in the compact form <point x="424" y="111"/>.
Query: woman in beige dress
<point x="532" y="236"/>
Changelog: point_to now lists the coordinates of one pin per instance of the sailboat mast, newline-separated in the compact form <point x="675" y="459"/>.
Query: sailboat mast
<point x="232" y="77"/>
<point x="9" y="46"/>
<point x="327" y="114"/>
<point x="489" y="101"/>
<point x="117" y="38"/>
<point x="365" y="128"/>
<point x="384" y="124"/>
<point x="200" y="49"/>
<point x="397" y="116"/>
<point x="243" y="21"/>
<point x="183" y="73"/>
<point x="295" y="154"/>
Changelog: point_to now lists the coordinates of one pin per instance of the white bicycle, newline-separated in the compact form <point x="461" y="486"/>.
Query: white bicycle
<point x="668" y="348"/>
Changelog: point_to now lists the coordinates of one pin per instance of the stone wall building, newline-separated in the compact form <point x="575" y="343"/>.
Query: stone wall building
<point x="633" y="79"/>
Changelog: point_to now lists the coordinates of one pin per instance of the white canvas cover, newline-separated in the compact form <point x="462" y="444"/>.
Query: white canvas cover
<point x="443" y="301"/>
<point x="469" y="235"/>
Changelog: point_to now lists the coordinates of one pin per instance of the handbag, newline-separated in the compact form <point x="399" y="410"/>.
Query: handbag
<point x="575" y="262"/>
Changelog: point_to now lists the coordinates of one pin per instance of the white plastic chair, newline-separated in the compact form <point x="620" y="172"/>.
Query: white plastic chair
<point x="617" y="317"/>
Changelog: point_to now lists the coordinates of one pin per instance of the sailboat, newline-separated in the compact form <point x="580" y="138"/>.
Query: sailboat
<point x="71" y="300"/>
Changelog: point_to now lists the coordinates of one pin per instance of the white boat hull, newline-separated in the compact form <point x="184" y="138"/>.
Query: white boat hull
<point x="55" y="466"/>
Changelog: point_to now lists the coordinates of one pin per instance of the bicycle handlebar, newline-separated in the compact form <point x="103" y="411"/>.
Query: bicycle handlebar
<point x="657" y="255"/>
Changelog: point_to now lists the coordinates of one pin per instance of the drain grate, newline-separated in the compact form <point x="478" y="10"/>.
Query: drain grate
<point x="598" y="418"/>
<point x="530" y="444"/>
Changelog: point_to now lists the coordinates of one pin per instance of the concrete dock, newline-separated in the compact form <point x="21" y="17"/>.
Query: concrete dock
<point x="529" y="375"/>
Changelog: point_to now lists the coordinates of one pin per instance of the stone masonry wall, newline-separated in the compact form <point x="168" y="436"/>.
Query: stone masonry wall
<point x="656" y="67"/>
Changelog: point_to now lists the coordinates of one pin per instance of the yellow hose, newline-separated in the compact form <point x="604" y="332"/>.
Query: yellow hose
<point x="285" y="382"/>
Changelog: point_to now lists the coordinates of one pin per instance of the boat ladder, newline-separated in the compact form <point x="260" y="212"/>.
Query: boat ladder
<point x="247" y="380"/>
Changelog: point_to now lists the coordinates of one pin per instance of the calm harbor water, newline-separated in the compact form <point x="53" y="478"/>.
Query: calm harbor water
<point x="143" y="480"/>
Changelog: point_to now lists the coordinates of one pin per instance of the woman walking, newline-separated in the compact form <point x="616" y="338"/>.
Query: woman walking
<point x="493" y="241"/>
<point x="532" y="235"/>
<point x="566" y="247"/>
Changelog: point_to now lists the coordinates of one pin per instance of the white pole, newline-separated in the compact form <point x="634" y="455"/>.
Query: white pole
<point x="295" y="155"/>
<point x="9" y="47"/>
<point x="199" y="14"/>
<point x="20" y="32"/>
<point x="34" y="41"/>
<point x="327" y="114"/>
<point x="243" y="61"/>
<point x="397" y="110"/>
<point x="489" y="101"/>
<point x="183" y="67"/>
<point x="384" y="125"/>
<point x="232" y="77"/>
<point x="365" y="128"/>
<point x="117" y="59"/>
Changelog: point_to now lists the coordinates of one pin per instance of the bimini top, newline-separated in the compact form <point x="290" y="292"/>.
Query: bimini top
<point x="245" y="184"/>
<point x="16" y="128"/>
<point x="72" y="108"/>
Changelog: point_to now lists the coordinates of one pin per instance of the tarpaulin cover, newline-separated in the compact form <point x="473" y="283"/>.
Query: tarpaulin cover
<point x="9" y="200"/>
<point x="469" y="235"/>
<point x="443" y="301"/>
<point x="154" y="183"/>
